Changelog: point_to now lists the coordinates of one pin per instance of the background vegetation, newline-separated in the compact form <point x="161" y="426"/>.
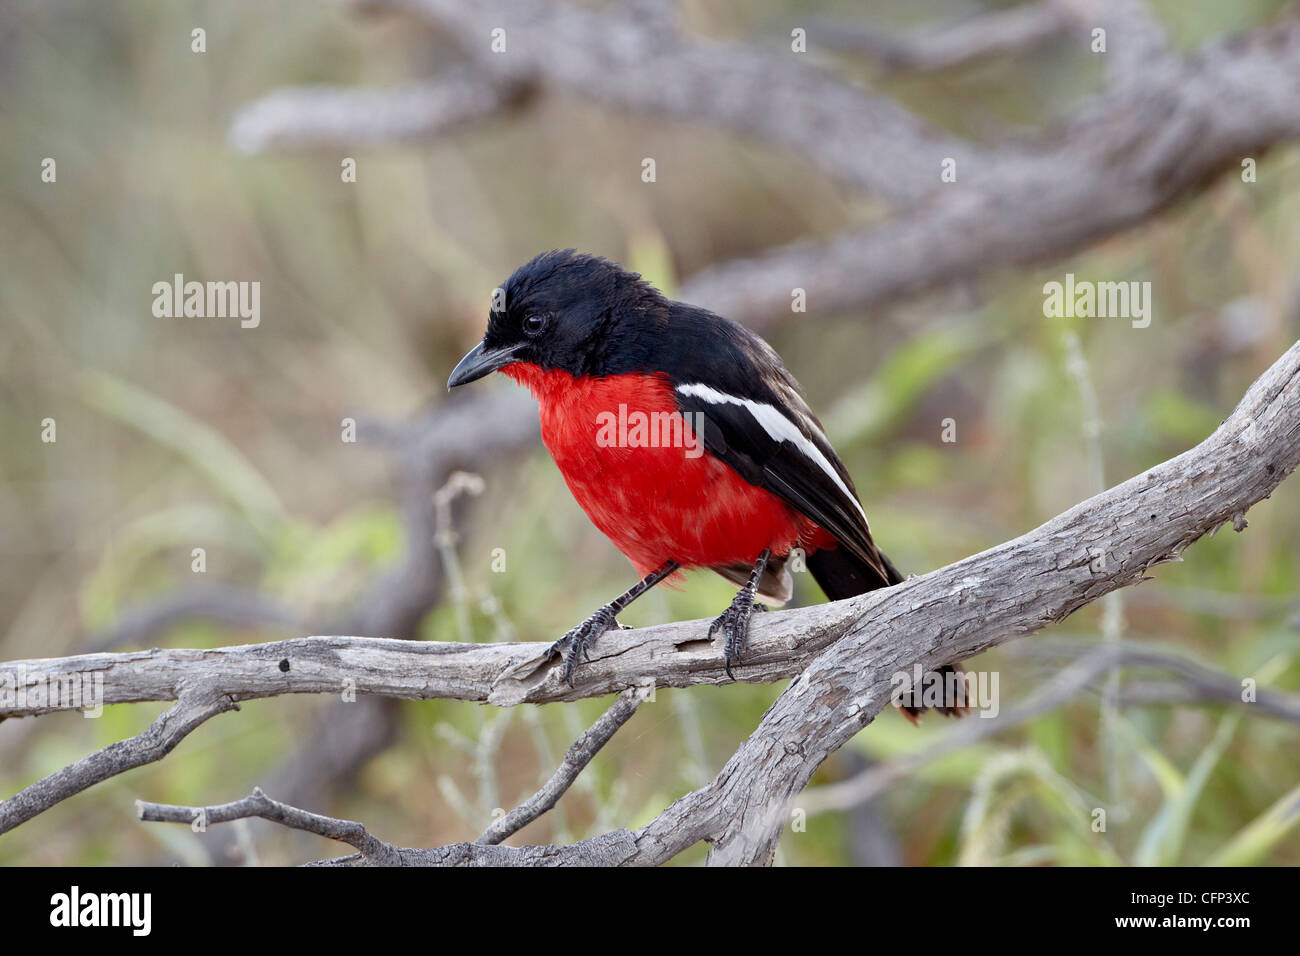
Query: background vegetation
<point x="175" y="434"/>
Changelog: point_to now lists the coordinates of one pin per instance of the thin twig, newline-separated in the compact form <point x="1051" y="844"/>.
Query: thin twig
<point x="192" y="708"/>
<point x="258" y="804"/>
<point x="575" y="759"/>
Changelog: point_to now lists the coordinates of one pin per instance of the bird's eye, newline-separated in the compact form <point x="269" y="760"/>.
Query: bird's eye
<point x="534" y="324"/>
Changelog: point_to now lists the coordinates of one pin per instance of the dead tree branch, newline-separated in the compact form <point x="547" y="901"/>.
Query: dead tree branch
<point x="612" y="849"/>
<point x="1122" y="160"/>
<point x="258" y="804"/>
<point x="193" y="707"/>
<point x="851" y="648"/>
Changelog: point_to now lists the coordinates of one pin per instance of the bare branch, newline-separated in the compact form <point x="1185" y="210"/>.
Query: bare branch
<point x="855" y="646"/>
<point x="1138" y="55"/>
<point x="575" y="759"/>
<point x="1199" y="684"/>
<point x="995" y="33"/>
<point x="612" y="849"/>
<point x="193" y="707"/>
<point x="617" y="848"/>
<point x="258" y="804"/>
<point x="1222" y="604"/>
<point x="311" y="116"/>
<point x="1144" y="693"/>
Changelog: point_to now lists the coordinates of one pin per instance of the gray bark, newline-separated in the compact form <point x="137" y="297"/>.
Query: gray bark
<point x="842" y="655"/>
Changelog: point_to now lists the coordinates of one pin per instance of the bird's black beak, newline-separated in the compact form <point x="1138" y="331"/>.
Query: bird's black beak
<point x="479" y="362"/>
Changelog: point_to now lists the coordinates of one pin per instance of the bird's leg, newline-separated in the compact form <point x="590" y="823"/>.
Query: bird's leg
<point x="734" y="621"/>
<point x="585" y="634"/>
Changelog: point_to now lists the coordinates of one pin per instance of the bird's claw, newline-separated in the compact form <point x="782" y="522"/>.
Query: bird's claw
<point x="580" y="639"/>
<point x="734" y="624"/>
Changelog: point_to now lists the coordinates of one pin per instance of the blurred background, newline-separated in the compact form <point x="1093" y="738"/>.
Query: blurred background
<point x="176" y="434"/>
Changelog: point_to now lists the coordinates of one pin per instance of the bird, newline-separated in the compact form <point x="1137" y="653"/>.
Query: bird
<point x="682" y="436"/>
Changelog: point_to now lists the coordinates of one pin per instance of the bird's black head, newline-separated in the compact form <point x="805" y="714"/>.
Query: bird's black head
<point x="562" y="310"/>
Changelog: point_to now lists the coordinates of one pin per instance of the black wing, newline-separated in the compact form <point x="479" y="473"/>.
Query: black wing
<point x="777" y="445"/>
<point x="755" y="420"/>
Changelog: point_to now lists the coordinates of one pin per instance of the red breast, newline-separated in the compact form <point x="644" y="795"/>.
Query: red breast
<point x="654" y="491"/>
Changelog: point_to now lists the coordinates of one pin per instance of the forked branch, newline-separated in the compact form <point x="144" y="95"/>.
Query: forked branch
<point x="842" y="656"/>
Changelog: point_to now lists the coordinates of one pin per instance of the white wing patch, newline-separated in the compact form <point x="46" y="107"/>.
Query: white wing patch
<point x="779" y="428"/>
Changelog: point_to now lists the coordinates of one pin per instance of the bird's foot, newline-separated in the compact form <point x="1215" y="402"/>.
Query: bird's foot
<point x="580" y="639"/>
<point x="734" y="624"/>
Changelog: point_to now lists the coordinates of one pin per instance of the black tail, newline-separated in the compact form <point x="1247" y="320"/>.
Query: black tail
<point x="841" y="575"/>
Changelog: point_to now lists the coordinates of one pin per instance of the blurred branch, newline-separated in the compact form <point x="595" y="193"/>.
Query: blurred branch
<point x="852" y="649"/>
<point x="1110" y="168"/>
<point x="1163" y="128"/>
<point x="1222" y="604"/>
<point x="994" y="33"/>
<point x="1144" y="693"/>
<point x="1196" y="684"/>
<point x="458" y="435"/>
<point x="1062" y="687"/>
<point x="234" y="607"/>
<point x="628" y="62"/>
<point x="1138" y="55"/>
<point x="310" y="116"/>
<point x="871" y="837"/>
